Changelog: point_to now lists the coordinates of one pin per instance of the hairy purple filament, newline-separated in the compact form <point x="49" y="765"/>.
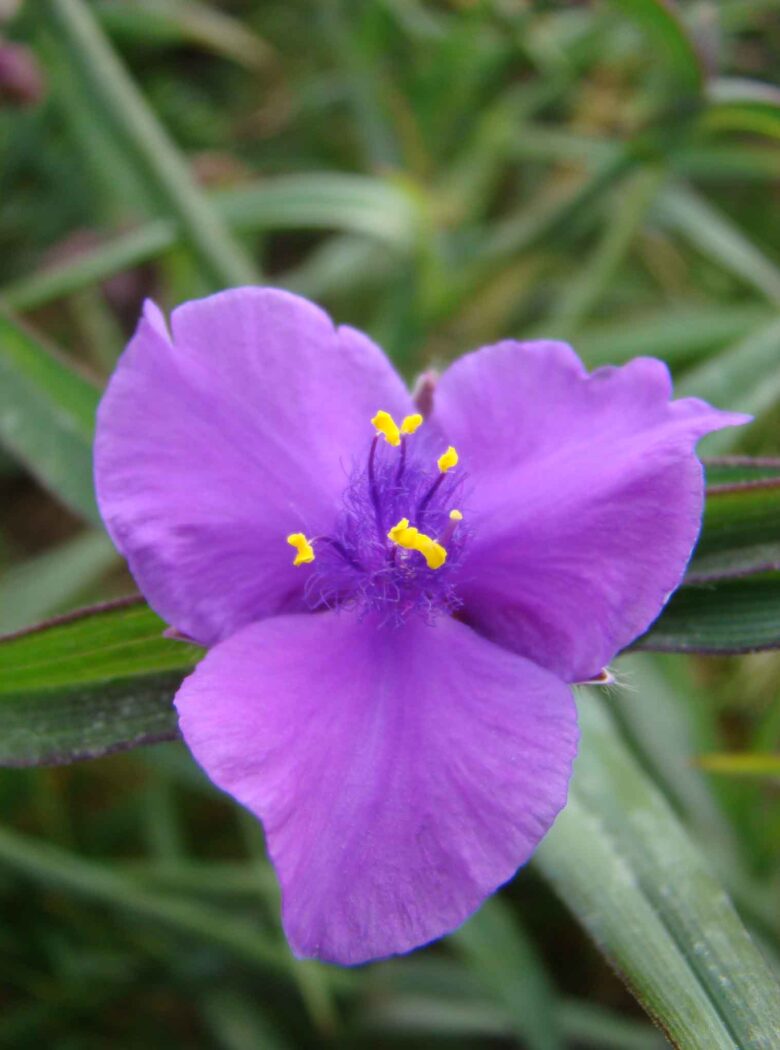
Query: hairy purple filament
<point x="358" y="566"/>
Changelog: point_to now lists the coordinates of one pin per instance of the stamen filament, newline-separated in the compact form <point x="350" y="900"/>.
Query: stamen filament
<point x="372" y="488"/>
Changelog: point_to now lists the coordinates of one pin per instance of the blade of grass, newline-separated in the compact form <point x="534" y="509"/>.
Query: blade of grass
<point x="671" y="41"/>
<point x="185" y="22"/>
<point x="44" y="584"/>
<point x="621" y="861"/>
<point x="737" y="104"/>
<point x="376" y="208"/>
<point x="47" y="412"/>
<point x="54" y="867"/>
<point x="719" y="239"/>
<point x="220" y="256"/>
<point x="728" y="616"/>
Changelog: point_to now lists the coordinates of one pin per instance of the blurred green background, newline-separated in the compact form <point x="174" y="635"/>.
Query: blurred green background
<point x="441" y="174"/>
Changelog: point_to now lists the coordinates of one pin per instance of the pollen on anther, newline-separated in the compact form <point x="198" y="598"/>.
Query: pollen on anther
<point x="387" y="427"/>
<point x="304" y="550"/>
<point x="411" y="423"/>
<point x="456" y="515"/>
<point x="447" y="460"/>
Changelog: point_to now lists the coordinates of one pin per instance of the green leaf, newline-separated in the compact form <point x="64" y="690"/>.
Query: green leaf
<point x="727" y="616"/>
<point x="148" y="144"/>
<point x="669" y="38"/>
<point x="719" y="238"/>
<point x="678" y="334"/>
<point x="365" y="205"/>
<point x="89" y="683"/>
<point x="737" y="104"/>
<point x="729" y="470"/>
<point x="506" y="963"/>
<point x="621" y="861"/>
<point x="53" y="580"/>
<point x="53" y="867"/>
<point x="47" y="412"/>
<point x="185" y="22"/>
<point x="740" y="532"/>
<point x="741" y="764"/>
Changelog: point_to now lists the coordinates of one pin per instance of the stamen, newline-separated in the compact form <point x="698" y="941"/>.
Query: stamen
<point x="447" y="460"/>
<point x="455" y="516"/>
<point x="372" y="487"/>
<point x="399" y="532"/>
<point x="411" y="423"/>
<point x="410" y="538"/>
<point x="388" y="428"/>
<point x="303" y="547"/>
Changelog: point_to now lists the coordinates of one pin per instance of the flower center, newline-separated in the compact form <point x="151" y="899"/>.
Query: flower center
<point x="399" y="534"/>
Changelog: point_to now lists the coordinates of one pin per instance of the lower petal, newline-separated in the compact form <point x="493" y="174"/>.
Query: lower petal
<point x="401" y="774"/>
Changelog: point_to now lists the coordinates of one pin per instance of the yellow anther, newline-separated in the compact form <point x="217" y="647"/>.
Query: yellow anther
<point x="411" y="539"/>
<point x="303" y="547"/>
<point x="433" y="552"/>
<point x="387" y="427"/>
<point x="455" y="515"/>
<point x="447" y="460"/>
<point x="404" y="536"/>
<point x="411" y="423"/>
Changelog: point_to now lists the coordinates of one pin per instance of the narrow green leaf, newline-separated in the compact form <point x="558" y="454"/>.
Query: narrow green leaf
<point x="740" y="532"/>
<point x="621" y="861"/>
<point x="679" y="335"/>
<point x="741" y="764"/>
<point x="670" y="40"/>
<point x="377" y="208"/>
<point x="89" y="683"/>
<point x="185" y="22"/>
<point x="222" y="258"/>
<point x="744" y="377"/>
<point x="48" y="582"/>
<point x="718" y="238"/>
<point x="730" y="470"/>
<point x="53" y="867"/>
<point x="506" y="963"/>
<point x="626" y="215"/>
<point x="727" y="616"/>
<point x="737" y="104"/>
<point x="47" y="411"/>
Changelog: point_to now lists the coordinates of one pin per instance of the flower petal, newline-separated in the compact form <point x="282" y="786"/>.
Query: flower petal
<point x="216" y="444"/>
<point x="402" y="774"/>
<point x="587" y="497"/>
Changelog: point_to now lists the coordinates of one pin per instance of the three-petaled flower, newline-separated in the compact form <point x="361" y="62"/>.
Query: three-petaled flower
<point x="396" y="607"/>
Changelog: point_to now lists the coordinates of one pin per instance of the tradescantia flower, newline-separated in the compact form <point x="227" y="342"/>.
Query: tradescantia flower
<point x="396" y="606"/>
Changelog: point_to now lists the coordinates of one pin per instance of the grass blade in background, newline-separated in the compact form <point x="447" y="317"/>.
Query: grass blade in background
<point x="377" y="208"/>
<point x="623" y="864"/>
<point x="669" y="40"/>
<point x="720" y="239"/>
<point x="737" y="104"/>
<point x="185" y="22"/>
<point x="220" y="256"/>
<point x="47" y="412"/>
<point x="49" y="582"/>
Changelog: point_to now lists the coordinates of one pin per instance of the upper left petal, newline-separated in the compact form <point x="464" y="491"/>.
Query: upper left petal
<point x="215" y="444"/>
<point x="402" y="774"/>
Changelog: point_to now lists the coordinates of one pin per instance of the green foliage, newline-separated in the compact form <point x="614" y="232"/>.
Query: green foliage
<point x="442" y="174"/>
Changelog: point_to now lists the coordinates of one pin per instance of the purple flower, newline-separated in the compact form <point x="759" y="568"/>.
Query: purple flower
<point x="397" y="607"/>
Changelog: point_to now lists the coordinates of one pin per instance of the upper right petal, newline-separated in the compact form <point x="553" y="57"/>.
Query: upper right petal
<point x="215" y="444"/>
